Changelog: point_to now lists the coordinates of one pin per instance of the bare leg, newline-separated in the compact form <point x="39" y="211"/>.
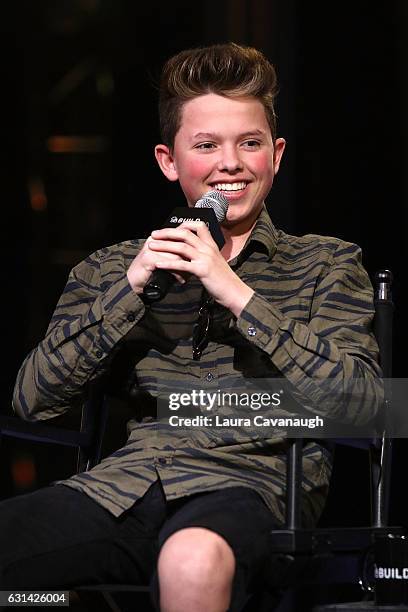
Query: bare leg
<point x="196" y="568"/>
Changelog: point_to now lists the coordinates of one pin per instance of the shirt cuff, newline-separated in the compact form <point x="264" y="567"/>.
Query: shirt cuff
<point x="122" y="309"/>
<point x="262" y="324"/>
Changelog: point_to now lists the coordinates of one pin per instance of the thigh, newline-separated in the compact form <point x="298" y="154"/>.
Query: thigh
<point x="60" y="537"/>
<point x="240" y="516"/>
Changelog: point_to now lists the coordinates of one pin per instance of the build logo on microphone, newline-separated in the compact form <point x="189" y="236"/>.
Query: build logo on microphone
<point x="184" y="219"/>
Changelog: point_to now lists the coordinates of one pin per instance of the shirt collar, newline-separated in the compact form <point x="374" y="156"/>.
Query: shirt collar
<point x="263" y="238"/>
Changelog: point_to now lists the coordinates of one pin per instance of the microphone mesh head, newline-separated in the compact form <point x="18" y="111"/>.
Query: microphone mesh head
<point x="215" y="200"/>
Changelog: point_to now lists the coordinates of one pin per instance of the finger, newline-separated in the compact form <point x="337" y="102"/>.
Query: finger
<point x="146" y="243"/>
<point x="157" y="258"/>
<point x="181" y="249"/>
<point x="178" y="278"/>
<point x="201" y="230"/>
<point x="149" y="258"/>
<point x="179" y="265"/>
<point x="157" y="255"/>
<point x="182" y="233"/>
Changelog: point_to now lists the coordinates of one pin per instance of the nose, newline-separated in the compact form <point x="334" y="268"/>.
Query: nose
<point x="229" y="160"/>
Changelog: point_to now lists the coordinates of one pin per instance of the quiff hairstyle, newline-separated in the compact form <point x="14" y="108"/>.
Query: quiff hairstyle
<point x="227" y="69"/>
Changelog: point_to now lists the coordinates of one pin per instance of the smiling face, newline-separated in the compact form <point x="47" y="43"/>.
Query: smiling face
<point x="224" y="144"/>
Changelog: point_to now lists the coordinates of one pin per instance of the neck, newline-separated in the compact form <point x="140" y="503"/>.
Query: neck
<point x="237" y="233"/>
<point x="235" y="239"/>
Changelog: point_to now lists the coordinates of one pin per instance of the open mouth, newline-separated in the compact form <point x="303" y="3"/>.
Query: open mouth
<point x="231" y="187"/>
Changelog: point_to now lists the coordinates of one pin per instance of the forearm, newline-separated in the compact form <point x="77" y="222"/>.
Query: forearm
<point x="85" y="332"/>
<point x="332" y="361"/>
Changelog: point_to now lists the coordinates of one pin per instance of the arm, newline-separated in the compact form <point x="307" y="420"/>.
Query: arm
<point x="96" y="310"/>
<point x="332" y="361"/>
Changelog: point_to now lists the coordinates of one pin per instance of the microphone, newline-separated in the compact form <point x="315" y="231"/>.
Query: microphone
<point x="212" y="209"/>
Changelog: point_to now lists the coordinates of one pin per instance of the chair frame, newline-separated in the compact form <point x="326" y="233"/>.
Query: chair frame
<point x="346" y="548"/>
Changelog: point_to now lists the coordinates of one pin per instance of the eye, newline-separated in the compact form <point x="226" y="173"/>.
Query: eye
<point x="251" y="144"/>
<point x="205" y="146"/>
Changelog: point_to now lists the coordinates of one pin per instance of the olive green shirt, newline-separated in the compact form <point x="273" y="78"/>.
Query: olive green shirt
<point x="308" y="321"/>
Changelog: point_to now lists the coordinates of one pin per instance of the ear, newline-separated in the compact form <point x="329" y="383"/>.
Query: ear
<point x="279" y="148"/>
<point x="166" y="161"/>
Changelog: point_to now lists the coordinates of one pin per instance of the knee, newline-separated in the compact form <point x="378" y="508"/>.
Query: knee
<point x="196" y="556"/>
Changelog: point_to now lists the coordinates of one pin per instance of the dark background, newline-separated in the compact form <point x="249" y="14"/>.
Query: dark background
<point x="79" y="124"/>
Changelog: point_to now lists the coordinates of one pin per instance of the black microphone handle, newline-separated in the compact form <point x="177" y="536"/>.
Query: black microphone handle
<point x="158" y="285"/>
<point x="160" y="281"/>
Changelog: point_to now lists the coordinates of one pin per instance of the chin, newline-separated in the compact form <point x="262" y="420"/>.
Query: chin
<point x="235" y="217"/>
<point x="237" y="221"/>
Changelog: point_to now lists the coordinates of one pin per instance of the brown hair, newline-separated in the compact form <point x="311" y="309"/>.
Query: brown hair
<point x="227" y="69"/>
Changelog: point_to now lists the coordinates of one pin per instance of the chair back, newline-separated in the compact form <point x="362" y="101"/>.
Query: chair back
<point x="87" y="440"/>
<point x="380" y="448"/>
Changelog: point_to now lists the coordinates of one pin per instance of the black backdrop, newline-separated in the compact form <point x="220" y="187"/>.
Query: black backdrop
<point x="89" y="67"/>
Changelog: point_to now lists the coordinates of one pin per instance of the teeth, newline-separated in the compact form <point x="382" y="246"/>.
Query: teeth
<point x="230" y="186"/>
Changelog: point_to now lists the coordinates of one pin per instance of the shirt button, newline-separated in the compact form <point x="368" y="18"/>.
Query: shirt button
<point x="251" y="331"/>
<point x="98" y="353"/>
<point x="162" y="460"/>
<point x="209" y="377"/>
<point x="131" y="317"/>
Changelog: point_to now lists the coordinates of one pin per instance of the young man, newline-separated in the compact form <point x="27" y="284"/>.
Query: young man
<point x="193" y="513"/>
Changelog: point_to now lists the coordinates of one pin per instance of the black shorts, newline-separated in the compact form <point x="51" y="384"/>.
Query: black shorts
<point x="240" y="516"/>
<point x="59" y="537"/>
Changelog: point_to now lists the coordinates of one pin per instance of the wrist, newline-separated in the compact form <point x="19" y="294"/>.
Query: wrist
<point x="133" y="283"/>
<point x="239" y="298"/>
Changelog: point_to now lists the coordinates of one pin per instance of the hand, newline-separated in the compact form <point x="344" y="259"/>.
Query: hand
<point x="197" y="253"/>
<point x="141" y="268"/>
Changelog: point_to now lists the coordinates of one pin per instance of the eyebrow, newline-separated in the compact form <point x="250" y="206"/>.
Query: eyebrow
<point x="214" y="135"/>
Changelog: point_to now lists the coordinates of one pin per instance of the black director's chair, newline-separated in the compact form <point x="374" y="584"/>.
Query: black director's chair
<point x="87" y="439"/>
<point x="303" y="557"/>
<point x="341" y="556"/>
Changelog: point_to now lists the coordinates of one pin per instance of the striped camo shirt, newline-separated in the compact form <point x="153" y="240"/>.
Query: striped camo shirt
<point x="308" y="321"/>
